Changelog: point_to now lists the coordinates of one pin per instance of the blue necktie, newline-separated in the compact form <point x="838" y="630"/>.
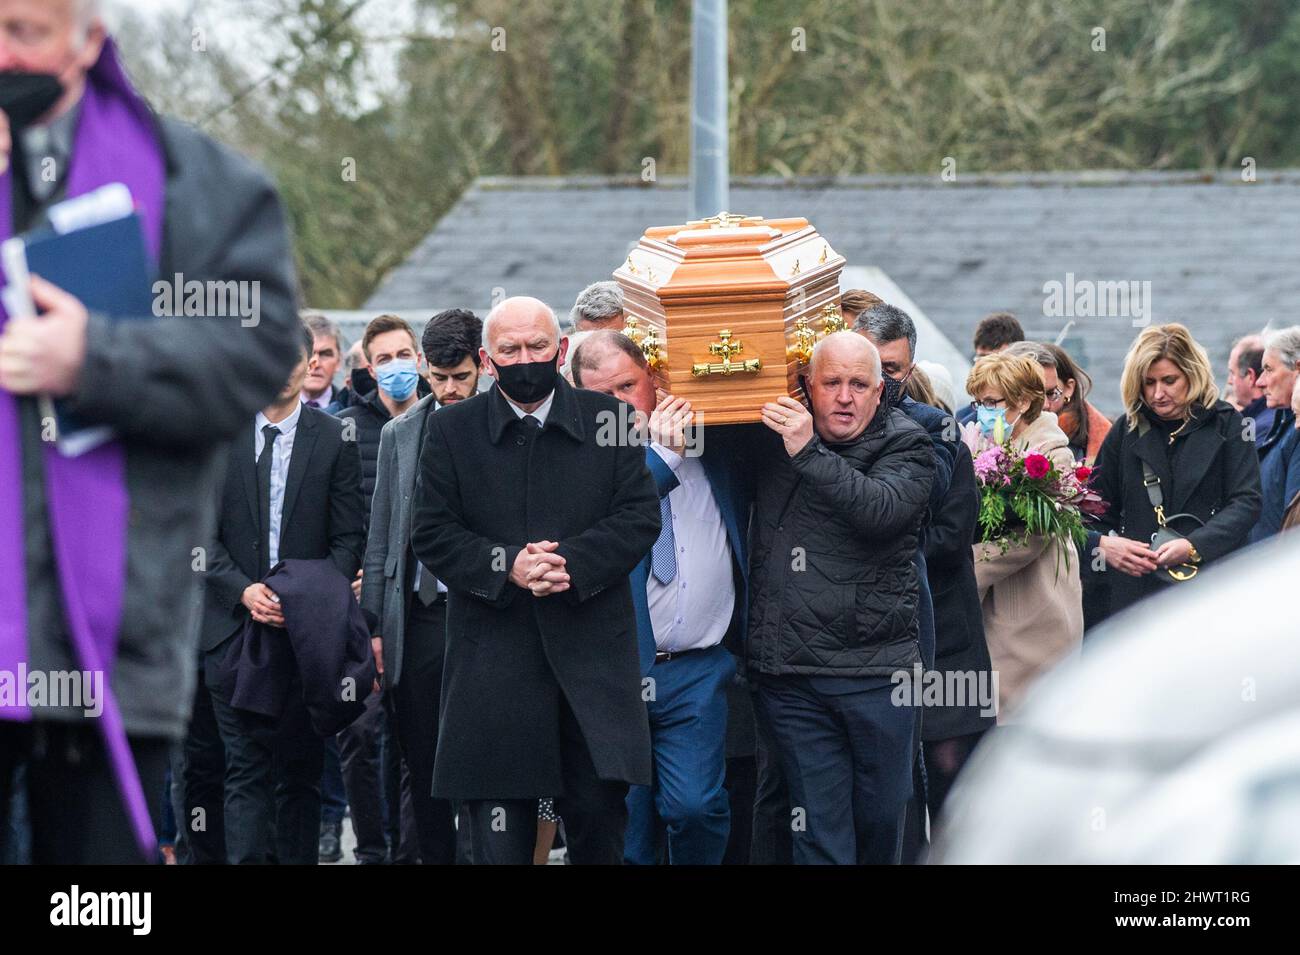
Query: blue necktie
<point x="663" y="556"/>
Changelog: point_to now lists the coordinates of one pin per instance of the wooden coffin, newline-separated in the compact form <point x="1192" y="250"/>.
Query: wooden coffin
<point x="727" y="309"/>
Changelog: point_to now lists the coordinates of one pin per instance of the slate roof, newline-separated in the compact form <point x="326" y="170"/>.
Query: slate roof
<point x="1222" y="255"/>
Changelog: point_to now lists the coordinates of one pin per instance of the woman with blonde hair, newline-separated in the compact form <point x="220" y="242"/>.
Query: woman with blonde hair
<point x="1030" y="594"/>
<point x="1179" y="471"/>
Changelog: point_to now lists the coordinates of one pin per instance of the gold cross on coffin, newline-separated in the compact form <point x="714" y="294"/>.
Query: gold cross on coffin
<point x="724" y="220"/>
<point x="725" y="347"/>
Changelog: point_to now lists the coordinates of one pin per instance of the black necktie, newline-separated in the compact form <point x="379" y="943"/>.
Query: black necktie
<point x="270" y="433"/>
<point x="530" y="420"/>
<point x="428" y="590"/>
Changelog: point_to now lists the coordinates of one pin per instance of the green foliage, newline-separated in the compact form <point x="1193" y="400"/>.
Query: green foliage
<point x="596" y="86"/>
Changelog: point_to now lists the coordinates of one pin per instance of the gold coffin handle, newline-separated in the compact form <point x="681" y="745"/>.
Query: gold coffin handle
<point x="725" y="347"/>
<point x="650" y="345"/>
<point x="804" y="340"/>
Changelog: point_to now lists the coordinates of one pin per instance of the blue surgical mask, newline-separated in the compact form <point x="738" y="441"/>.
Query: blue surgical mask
<point x="398" y="378"/>
<point x="989" y="417"/>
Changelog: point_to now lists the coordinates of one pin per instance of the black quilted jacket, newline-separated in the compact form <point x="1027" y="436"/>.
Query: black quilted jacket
<point x="833" y="590"/>
<point x="370" y="416"/>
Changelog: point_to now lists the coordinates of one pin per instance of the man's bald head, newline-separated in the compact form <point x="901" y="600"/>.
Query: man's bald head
<point x="516" y="313"/>
<point x="848" y="347"/>
<point x="844" y="386"/>
<point x="598" y="346"/>
<point x="613" y="364"/>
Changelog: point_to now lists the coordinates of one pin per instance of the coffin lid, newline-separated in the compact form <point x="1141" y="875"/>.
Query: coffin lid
<point x="728" y="256"/>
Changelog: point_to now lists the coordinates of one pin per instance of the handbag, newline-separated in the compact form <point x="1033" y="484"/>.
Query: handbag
<point x="1164" y="532"/>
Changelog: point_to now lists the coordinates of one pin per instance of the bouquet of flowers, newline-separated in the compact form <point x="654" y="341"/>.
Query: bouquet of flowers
<point x="1023" y="494"/>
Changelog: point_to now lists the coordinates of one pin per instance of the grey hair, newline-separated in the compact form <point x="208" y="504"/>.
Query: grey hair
<point x="495" y="313"/>
<point x="1035" y="350"/>
<point x="354" y="357"/>
<point x="819" y="348"/>
<point x="1286" y="342"/>
<point x="320" y="325"/>
<point x="598" y="302"/>
<point x="887" y="323"/>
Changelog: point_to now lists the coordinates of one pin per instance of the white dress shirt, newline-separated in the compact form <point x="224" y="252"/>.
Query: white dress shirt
<point x="694" y="611"/>
<point x="280" y="456"/>
<point x="540" y="414"/>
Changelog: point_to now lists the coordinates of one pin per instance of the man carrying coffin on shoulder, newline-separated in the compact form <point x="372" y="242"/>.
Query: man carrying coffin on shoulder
<point x="833" y="601"/>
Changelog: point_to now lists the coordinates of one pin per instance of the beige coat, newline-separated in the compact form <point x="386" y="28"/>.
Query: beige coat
<point x="1031" y="596"/>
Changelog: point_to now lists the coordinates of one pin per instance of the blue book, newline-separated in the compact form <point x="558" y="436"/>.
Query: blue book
<point x="107" y="267"/>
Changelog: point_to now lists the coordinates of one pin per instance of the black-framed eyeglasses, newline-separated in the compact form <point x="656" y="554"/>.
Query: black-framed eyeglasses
<point x="989" y="403"/>
<point x="1056" y="394"/>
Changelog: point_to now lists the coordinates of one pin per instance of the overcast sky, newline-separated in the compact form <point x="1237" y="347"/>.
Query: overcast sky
<point x="224" y="23"/>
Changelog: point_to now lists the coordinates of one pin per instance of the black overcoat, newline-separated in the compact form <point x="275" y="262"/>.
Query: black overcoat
<point x="489" y="484"/>
<point x="960" y="644"/>
<point x="1217" y="480"/>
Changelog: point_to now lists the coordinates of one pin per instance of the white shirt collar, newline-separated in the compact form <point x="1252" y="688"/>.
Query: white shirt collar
<point x="540" y="414"/>
<point x="287" y="426"/>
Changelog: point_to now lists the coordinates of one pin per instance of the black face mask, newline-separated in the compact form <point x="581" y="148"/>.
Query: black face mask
<point x="527" y="381"/>
<point x="893" y="395"/>
<point x="362" y="381"/>
<point x="26" y="97"/>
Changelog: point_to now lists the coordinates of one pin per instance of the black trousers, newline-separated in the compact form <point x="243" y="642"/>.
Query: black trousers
<point x="742" y="788"/>
<point x="772" y="840"/>
<point x="359" y="761"/>
<point x="202" y="784"/>
<point x="415" y="703"/>
<point x="594" y="810"/>
<point x="944" y="759"/>
<point x="847" y="756"/>
<point x="73" y="807"/>
<point x="272" y="786"/>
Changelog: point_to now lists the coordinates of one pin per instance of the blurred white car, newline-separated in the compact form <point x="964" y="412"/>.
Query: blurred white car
<point x="1173" y="738"/>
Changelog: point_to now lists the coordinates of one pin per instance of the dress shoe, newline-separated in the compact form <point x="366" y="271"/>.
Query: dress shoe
<point x="331" y="848"/>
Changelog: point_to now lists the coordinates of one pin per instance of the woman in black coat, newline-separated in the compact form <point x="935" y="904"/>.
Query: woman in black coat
<point x="949" y="733"/>
<point x="1202" y="463"/>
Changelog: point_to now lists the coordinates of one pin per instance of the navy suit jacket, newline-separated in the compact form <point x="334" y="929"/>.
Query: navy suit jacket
<point x="325" y="641"/>
<point x="726" y="474"/>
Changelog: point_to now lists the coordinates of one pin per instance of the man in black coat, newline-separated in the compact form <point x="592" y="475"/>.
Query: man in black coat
<point x="292" y="490"/>
<point x="390" y="350"/>
<point x="893" y="333"/>
<point x="834" y="596"/>
<point x="533" y="507"/>
<point x="407" y="604"/>
<point x="951" y="729"/>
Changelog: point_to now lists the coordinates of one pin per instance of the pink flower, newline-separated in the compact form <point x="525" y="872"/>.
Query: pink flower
<point x="1037" y="466"/>
<point x="989" y="463"/>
